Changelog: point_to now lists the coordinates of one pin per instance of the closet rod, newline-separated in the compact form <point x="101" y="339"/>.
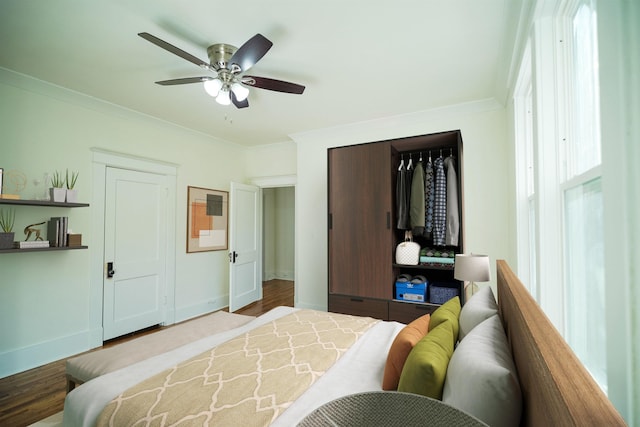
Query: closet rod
<point x="434" y="151"/>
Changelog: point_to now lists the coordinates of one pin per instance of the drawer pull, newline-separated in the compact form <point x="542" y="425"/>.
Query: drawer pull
<point x="357" y="300"/>
<point x="422" y="307"/>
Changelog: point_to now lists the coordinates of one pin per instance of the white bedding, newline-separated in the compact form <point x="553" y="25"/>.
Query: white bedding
<point x="360" y="369"/>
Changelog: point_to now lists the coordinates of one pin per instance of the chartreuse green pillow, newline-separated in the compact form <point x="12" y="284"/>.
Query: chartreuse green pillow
<point x="425" y="369"/>
<point x="450" y="310"/>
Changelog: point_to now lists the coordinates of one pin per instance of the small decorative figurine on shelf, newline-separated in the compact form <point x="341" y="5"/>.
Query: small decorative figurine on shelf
<point x="30" y="229"/>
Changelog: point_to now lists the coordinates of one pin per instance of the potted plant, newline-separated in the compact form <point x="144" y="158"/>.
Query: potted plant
<point x="72" y="194"/>
<point x="57" y="192"/>
<point x="7" y="219"/>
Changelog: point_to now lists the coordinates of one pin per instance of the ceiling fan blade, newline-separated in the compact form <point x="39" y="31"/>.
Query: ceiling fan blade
<point x="250" y="52"/>
<point x="273" y="84"/>
<point x="183" y="81"/>
<point x="239" y="104"/>
<point x="175" y="50"/>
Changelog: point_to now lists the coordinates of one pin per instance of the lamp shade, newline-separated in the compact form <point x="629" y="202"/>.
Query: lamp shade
<point x="213" y="87"/>
<point x="472" y="268"/>
<point x="240" y="91"/>
<point x="223" y="97"/>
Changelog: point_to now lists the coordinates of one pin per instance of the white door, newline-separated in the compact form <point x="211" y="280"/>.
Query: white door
<point x="245" y="241"/>
<point x="135" y="249"/>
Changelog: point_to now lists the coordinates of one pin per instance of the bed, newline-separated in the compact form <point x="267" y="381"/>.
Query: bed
<point x="555" y="388"/>
<point x="93" y="364"/>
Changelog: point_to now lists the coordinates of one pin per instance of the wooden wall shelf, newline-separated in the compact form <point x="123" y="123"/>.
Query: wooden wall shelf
<point x="42" y="203"/>
<point x="22" y="202"/>
<point x="55" y="248"/>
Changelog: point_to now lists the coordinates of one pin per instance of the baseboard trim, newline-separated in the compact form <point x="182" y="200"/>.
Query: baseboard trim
<point x="278" y="275"/>
<point x="189" y="312"/>
<point x="317" y="307"/>
<point x="23" y="359"/>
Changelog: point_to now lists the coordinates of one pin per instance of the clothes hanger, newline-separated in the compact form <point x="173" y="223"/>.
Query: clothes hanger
<point x="410" y="165"/>
<point x="401" y="162"/>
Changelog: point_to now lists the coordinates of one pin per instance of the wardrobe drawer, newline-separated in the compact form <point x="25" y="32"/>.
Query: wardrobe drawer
<point x="405" y="312"/>
<point x="358" y="306"/>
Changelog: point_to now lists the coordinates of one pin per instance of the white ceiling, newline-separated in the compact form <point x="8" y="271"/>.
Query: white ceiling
<point x="359" y="59"/>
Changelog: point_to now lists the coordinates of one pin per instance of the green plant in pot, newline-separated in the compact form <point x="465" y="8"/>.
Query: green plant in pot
<point x="72" y="194"/>
<point x="7" y="220"/>
<point x="57" y="192"/>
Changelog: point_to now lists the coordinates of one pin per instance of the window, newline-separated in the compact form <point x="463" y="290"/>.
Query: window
<point x="582" y="200"/>
<point x="584" y="145"/>
<point x="523" y="106"/>
<point x="584" y="266"/>
<point x="531" y="192"/>
<point x="560" y="203"/>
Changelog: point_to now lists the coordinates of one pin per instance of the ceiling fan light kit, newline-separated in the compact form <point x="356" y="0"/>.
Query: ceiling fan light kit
<point x="240" y="91"/>
<point x="223" y="98"/>
<point x="228" y="63"/>
<point x="212" y="87"/>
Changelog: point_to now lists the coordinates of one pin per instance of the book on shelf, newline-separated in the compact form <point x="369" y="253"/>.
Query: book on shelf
<point x="57" y="231"/>
<point x="31" y="244"/>
<point x="65" y="221"/>
<point x="52" y="232"/>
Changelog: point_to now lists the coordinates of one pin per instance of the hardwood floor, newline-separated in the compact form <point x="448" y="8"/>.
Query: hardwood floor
<point x="35" y="394"/>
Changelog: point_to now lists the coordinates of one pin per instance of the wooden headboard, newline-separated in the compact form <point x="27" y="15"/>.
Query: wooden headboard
<point x="557" y="389"/>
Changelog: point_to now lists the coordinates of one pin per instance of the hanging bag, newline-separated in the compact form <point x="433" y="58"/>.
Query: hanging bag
<point x="408" y="252"/>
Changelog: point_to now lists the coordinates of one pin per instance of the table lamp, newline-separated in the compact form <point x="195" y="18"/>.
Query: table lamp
<point x="472" y="268"/>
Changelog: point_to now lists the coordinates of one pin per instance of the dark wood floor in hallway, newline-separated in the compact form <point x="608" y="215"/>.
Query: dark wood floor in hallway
<point x="36" y="394"/>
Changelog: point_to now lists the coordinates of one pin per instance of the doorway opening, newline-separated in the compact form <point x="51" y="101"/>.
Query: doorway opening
<point x="278" y="239"/>
<point x="278" y="243"/>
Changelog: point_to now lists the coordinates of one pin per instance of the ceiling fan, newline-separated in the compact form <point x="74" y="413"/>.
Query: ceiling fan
<point x="228" y="64"/>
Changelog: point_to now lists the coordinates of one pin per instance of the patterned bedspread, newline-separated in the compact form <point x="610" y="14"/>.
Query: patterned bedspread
<point x="247" y="381"/>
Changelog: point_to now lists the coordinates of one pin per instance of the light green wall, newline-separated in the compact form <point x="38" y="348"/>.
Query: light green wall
<point x="285" y="232"/>
<point x="486" y="197"/>
<point x="271" y="160"/>
<point x="44" y="297"/>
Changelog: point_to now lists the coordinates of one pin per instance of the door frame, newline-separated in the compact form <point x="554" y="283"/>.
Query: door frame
<point x="276" y="182"/>
<point x="102" y="159"/>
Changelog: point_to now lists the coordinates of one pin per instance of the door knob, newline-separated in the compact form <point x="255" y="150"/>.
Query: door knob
<point x="110" y="270"/>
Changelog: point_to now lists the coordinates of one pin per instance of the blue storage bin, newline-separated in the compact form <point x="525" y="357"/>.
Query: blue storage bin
<point x="409" y="291"/>
<point x="441" y="292"/>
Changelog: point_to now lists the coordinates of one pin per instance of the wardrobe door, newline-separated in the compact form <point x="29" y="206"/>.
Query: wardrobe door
<point x="360" y="221"/>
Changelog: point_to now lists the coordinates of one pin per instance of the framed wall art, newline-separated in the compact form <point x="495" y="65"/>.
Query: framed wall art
<point x="207" y="219"/>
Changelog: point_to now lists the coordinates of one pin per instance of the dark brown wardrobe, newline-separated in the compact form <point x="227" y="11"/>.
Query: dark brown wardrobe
<point x="362" y="225"/>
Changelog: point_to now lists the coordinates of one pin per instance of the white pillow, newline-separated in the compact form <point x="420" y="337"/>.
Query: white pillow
<point x="480" y="307"/>
<point x="482" y="379"/>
